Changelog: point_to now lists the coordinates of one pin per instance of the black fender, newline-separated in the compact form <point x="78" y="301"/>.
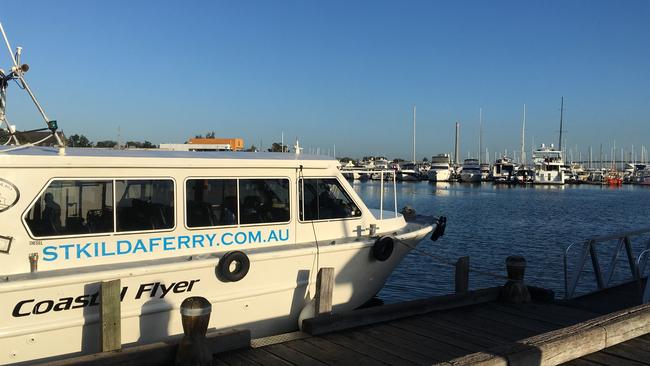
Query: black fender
<point x="225" y="270"/>
<point x="439" y="231"/>
<point x="383" y="248"/>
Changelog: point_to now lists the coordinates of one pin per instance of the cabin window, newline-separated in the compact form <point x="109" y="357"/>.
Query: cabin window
<point x="144" y="204"/>
<point x="325" y="199"/>
<point x="211" y="202"/>
<point x="72" y="207"/>
<point x="263" y="201"/>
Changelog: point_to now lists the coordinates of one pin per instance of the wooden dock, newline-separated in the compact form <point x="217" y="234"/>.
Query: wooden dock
<point x="499" y="326"/>
<point x="488" y="332"/>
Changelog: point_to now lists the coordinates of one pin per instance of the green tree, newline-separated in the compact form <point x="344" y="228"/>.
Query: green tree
<point x="253" y="148"/>
<point x="148" y="145"/>
<point x="78" y="141"/>
<point x="278" y="147"/>
<point x="106" y="143"/>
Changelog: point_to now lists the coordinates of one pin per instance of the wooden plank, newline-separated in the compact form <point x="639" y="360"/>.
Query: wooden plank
<point x="442" y="350"/>
<point x="110" y="317"/>
<point x="525" y="312"/>
<point x="370" y="348"/>
<point x="582" y="362"/>
<point x="561" y="315"/>
<point x="408" y="342"/>
<point x="462" y="275"/>
<point x="630" y="324"/>
<point x="578" y="340"/>
<point x="324" y="290"/>
<point x="325" y="356"/>
<point x="607" y="359"/>
<point x="496" y="328"/>
<point x="387" y="344"/>
<point x="262" y="357"/>
<point x="513" y="320"/>
<point x="335" y="322"/>
<point x="458" y="331"/>
<point x="234" y="358"/>
<point x="344" y="353"/>
<point x="625" y="350"/>
<point x="292" y="356"/>
<point x="417" y="327"/>
<point x="160" y="353"/>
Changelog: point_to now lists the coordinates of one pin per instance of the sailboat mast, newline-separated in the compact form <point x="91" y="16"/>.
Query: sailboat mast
<point x="523" y="139"/>
<point x="457" y="147"/>
<point x="561" y="116"/>
<point x="480" y="135"/>
<point x="414" y="161"/>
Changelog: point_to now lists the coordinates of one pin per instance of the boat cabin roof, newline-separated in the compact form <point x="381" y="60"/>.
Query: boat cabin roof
<point x="36" y="156"/>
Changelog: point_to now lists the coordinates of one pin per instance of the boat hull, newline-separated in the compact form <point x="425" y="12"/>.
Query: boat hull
<point x="57" y="313"/>
<point x="470" y="177"/>
<point x="439" y="175"/>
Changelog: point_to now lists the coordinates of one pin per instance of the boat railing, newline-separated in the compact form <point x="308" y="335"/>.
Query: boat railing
<point x="603" y="276"/>
<point x="381" y="172"/>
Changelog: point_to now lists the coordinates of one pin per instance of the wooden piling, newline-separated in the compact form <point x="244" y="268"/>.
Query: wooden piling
<point x="110" y="315"/>
<point x="324" y="290"/>
<point x="462" y="275"/>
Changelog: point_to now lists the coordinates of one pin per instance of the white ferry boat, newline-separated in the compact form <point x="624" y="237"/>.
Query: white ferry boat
<point x="548" y="166"/>
<point x="440" y="168"/>
<point x="247" y="231"/>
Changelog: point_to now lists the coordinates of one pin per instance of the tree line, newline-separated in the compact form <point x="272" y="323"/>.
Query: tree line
<point x="82" y="141"/>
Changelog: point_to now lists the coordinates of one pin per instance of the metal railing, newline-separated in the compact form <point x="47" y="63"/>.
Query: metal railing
<point x="589" y="250"/>
<point x="381" y="185"/>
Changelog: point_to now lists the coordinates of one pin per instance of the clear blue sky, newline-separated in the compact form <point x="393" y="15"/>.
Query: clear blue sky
<point x="338" y="72"/>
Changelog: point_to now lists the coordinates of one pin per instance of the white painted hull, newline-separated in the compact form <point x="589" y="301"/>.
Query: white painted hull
<point x="549" y="178"/>
<point x="267" y="301"/>
<point x="439" y="175"/>
<point x="470" y="177"/>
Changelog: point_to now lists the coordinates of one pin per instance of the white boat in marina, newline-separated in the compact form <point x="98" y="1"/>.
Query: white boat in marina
<point x="471" y="172"/>
<point x="408" y="173"/>
<point x="485" y="172"/>
<point x="246" y="231"/>
<point x="503" y="170"/>
<point x="440" y="170"/>
<point x="548" y="165"/>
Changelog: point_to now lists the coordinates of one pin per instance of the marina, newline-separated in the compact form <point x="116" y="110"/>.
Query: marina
<point x="142" y="226"/>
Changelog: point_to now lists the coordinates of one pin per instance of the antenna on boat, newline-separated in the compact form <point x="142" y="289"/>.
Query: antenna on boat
<point x="17" y="72"/>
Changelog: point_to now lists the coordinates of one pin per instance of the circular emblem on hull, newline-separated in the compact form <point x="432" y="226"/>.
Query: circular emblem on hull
<point x="8" y="195"/>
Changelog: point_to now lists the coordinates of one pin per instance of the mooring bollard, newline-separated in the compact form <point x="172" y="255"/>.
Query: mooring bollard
<point x="193" y="349"/>
<point x="515" y="290"/>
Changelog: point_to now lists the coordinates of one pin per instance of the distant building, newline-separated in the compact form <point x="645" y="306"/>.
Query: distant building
<point x="235" y="144"/>
<point x="195" y="147"/>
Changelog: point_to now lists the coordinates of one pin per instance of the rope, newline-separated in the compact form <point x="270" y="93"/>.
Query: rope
<point x="29" y="145"/>
<point x="447" y="262"/>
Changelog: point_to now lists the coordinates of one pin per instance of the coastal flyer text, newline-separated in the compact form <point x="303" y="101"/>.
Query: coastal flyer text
<point x="70" y="251"/>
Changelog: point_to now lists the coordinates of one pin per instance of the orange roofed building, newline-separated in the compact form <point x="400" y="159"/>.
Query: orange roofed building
<point x="235" y="143"/>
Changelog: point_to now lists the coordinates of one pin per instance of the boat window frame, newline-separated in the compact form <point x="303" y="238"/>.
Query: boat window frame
<point x="300" y="200"/>
<point x="174" y="187"/>
<point x="114" y="232"/>
<point x="239" y="224"/>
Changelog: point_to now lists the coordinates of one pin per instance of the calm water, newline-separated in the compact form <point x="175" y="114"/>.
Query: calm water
<point x="489" y="222"/>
